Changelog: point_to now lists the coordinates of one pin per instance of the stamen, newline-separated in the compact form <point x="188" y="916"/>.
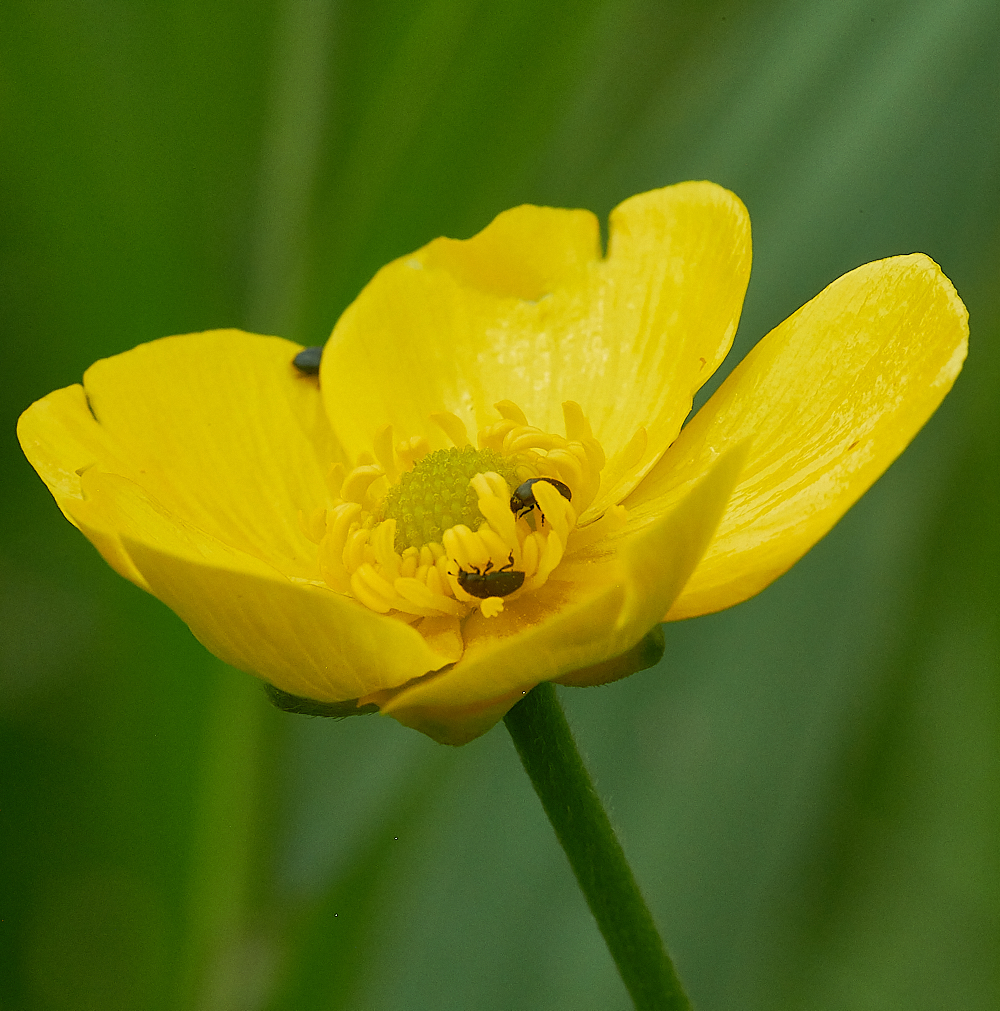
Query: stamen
<point x="335" y="480"/>
<point x="495" y="545"/>
<point x="521" y="439"/>
<point x="509" y="410"/>
<point x="430" y="599"/>
<point x="491" y="606"/>
<point x="313" y="524"/>
<point x="409" y="567"/>
<point x="371" y="589"/>
<point x="453" y="427"/>
<point x="404" y="534"/>
<point x="356" y="484"/>
<point x="577" y="426"/>
<point x="382" y="444"/>
<point x="495" y="509"/>
<point x="492" y="437"/>
<point x="411" y="450"/>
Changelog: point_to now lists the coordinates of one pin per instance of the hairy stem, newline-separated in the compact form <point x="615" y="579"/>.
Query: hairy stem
<point x="548" y="752"/>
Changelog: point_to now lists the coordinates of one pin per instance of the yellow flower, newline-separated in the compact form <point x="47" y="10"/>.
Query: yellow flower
<point x="354" y="538"/>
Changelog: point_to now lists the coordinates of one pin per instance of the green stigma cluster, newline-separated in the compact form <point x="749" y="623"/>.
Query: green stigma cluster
<point x="436" y="494"/>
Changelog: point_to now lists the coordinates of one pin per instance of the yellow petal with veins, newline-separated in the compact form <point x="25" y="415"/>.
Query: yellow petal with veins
<point x="528" y="311"/>
<point x="218" y="427"/>
<point x="304" y="638"/>
<point x="62" y="440"/>
<point x="830" y="398"/>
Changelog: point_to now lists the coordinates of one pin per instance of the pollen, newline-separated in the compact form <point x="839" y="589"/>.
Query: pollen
<point x="409" y="531"/>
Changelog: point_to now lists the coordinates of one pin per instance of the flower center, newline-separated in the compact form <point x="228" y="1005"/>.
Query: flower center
<point x="425" y="534"/>
<point x="436" y="494"/>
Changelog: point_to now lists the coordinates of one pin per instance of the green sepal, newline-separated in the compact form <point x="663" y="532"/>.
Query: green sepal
<point x="289" y="703"/>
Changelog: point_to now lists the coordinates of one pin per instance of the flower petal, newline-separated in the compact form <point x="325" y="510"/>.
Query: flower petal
<point x="527" y="311"/>
<point x="62" y="440"/>
<point x="624" y="587"/>
<point x="218" y="427"/>
<point x="829" y="398"/>
<point x="304" y="638"/>
<point x="525" y="253"/>
<point x="503" y="662"/>
<point x="678" y="267"/>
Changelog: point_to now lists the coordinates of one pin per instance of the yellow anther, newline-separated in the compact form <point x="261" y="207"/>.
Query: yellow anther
<point x="313" y="524"/>
<point x="331" y="563"/>
<point x="354" y="549"/>
<point x="550" y="558"/>
<point x="454" y="547"/>
<point x="559" y="514"/>
<point x="497" y="485"/>
<point x="493" y="436"/>
<point x="436" y="583"/>
<point x="382" y="444"/>
<point x="511" y="412"/>
<point x="339" y="521"/>
<point x="453" y="427"/>
<point x="357" y="482"/>
<point x="577" y="426"/>
<point x="408" y="568"/>
<point x="595" y="454"/>
<point x="531" y="551"/>
<point x="423" y="596"/>
<point x="498" y="515"/>
<point x="521" y="439"/>
<point x="465" y="547"/>
<point x="497" y="547"/>
<point x="411" y="450"/>
<point x="381" y="542"/>
<point x="491" y="606"/>
<point x="567" y="466"/>
<point x="482" y="485"/>
<point x="372" y="590"/>
<point x="335" y="480"/>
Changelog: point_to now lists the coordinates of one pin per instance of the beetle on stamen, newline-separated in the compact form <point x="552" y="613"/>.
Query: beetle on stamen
<point x="523" y="499"/>
<point x="499" y="583"/>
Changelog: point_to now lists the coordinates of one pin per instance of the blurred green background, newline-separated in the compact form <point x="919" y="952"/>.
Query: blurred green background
<point x="808" y="785"/>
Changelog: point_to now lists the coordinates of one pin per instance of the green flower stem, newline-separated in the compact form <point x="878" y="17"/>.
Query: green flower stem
<point x="548" y="752"/>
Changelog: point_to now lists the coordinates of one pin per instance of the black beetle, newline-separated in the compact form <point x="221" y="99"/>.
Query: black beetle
<point x="491" y="584"/>
<point x="308" y="359"/>
<point x="523" y="500"/>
